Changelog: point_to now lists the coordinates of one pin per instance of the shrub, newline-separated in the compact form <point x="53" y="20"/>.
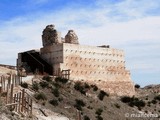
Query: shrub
<point x="102" y="94"/>
<point x="99" y="117"/>
<point x="79" y="87"/>
<point x="35" y="86"/>
<point x="99" y="111"/>
<point x="43" y="103"/>
<point x="125" y="99"/>
<point x="54" y="102"/>
<point x="95" y="88"/>
<point x="60" y="99"/>
<point x="40" y="96"/>
<point x="24" y="85"/>
<point x="79" y="104"/>
<point x="138" y="103"/>
<point x="57" y="79"/>
<point x="55" y="92"/>
<point x="117" y="105"/>
<point x="86" y="86"/>
<point x="86" y="117"/>
<point x="157" y="97"/>
<point x="89" y="107"/>
<point x="57" y="85"/>
<point x="43" y="84"/>
<point x="154" y="101"/>
<point x="62" y="80"/>
<point x="3" y="94"/>
<point x="47" y="78"/>
<point x="146" y="98"/>
<point x="137" y="86"/>
<point x="78" y="107"/>
<point x="133" y="101"/>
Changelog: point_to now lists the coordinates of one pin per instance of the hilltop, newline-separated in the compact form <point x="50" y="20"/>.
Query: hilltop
<point x="62" y="99"/>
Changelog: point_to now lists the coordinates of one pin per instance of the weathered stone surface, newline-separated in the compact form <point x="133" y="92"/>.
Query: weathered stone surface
<point x="104" y="67"/>
<point x="50" y="36"/>
<point x="71" y="37"/>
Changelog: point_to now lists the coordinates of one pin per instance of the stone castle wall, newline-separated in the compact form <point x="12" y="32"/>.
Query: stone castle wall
<point x="100" y="65"/>
<point x="96" y="65"/>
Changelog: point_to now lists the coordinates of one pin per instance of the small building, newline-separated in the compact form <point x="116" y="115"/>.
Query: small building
<point x="100" y="65"/>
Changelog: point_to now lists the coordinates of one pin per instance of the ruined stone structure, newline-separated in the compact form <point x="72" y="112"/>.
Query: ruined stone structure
<point x="100" y="65"/>
<point x="71" y="37"/>
<point x="50" y="36"/>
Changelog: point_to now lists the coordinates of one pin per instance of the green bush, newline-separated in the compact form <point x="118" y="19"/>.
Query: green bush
<point x="99" y="111"/>
<point x="80" y="87"/>
<point x="47" y="78"/>
<point x="61" y="80"/>
<point x="24" y="85"/>
<point x="77" y="85"/>
<point x="117" y="105"/>
<point x="78" y="107"/>
<point x="55" y="92"/>
<point x="95" y="88"/>
<point x="125" y="99"/>
<point x="102" y="94"/>
<point x="35" y="86"/>
<point x="157" y="97"/>
<point x="137" y="86"/>
<point x="56" y="85"/>
<point x="40" y="96"/>
<point x="60" y="99"/>
<point x="86" y="86"/>
<point x="138" y="103"/>
<point x="86" y="117"/>
<point x="99" y="118"/>
<point x="43" y="84"/>
<point x="133" y="101"/>
<point x="54" y="102"/>
<point x="79" y="104"/>
<point x="154" y="101"/>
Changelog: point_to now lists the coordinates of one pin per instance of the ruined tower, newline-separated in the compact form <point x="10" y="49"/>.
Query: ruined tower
<point x="50" y="36"/>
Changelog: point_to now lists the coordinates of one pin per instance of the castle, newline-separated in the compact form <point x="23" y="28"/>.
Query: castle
<point x="100" y="65"/>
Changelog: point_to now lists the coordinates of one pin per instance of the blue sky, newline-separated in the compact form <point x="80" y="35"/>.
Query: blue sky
<point x="131" y="25"/>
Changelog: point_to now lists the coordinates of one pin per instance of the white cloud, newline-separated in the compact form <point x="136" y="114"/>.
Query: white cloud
<point x="94" y="27"/>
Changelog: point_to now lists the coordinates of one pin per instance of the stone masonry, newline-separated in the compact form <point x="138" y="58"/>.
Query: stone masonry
<point x="100" y="65"/>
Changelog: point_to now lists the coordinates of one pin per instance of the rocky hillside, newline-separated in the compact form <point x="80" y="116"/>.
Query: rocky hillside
<point x="4" y="70"/>
<point x="65" y="99"/>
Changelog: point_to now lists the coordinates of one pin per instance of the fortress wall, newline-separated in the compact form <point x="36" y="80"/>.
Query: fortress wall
<point x="95" y="63"/>
<point x="100" y="65"/>
<point x="53" y="54"/>
<point x="104" y="67"/>
<point x="119" y="88"/>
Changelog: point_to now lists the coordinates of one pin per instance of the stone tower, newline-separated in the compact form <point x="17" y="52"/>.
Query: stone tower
<point x="50" y="36"/>
<point x="71" y="37"/>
